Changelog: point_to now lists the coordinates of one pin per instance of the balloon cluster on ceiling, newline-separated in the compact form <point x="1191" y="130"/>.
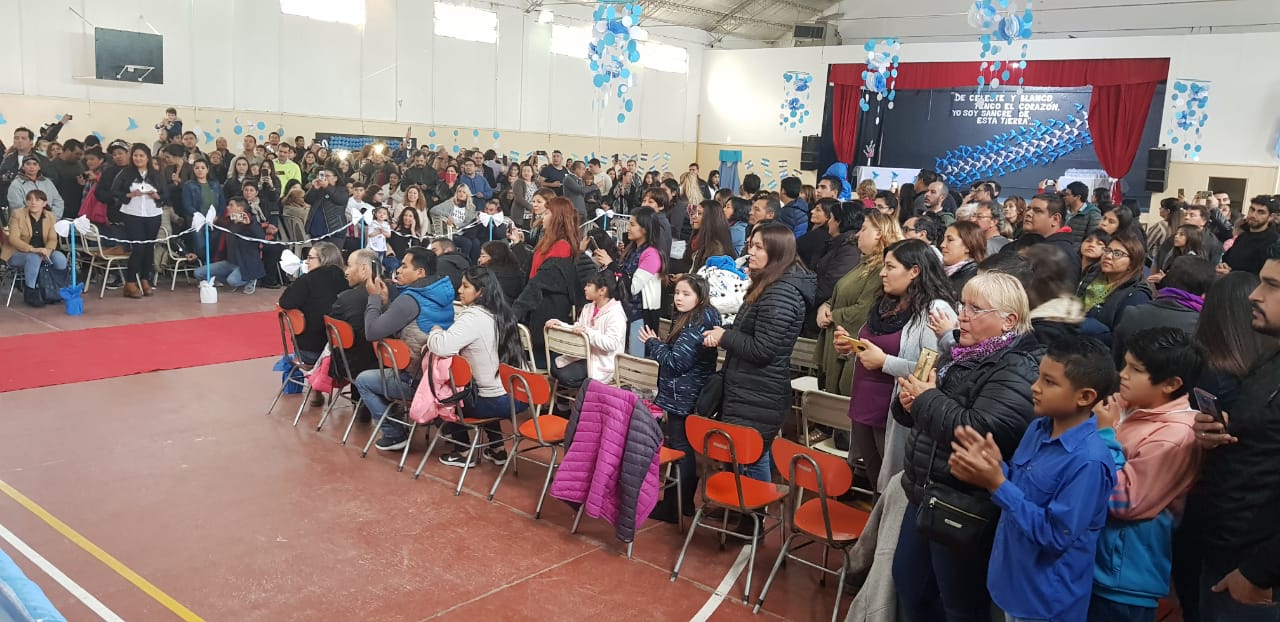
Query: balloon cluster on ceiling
<point x="613" y="49"/>
<point x="1002" y="26"/>
<point x="881" y="75"/>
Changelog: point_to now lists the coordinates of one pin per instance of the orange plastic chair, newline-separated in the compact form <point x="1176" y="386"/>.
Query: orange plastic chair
<point x="732" y="446"/>
<point x="539" y="430"/>
<point x="821" y="520"/>
<point x="459" y="376"/>
<point x="393" y="354"/>
<point x="292" y="323"/>
<point x="341" y="338"/>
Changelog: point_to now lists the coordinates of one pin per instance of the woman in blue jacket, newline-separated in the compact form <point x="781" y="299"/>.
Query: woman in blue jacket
<point x="197" y="195"/>
<point x="684" y="364"/>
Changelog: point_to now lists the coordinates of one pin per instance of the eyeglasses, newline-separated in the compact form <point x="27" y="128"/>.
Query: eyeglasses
<point x="972" y="311"/>
<point x="313" y="258"/>
<point x="1111" y="252"/>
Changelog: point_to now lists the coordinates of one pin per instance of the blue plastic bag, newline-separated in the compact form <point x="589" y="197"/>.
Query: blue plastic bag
<point x="288" y="370"/>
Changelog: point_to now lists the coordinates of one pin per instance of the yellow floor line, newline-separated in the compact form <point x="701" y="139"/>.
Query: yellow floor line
<point x="102" y="556"/>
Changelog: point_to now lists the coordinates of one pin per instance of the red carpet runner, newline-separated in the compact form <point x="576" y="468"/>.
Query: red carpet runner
<point x="46" y="359"/>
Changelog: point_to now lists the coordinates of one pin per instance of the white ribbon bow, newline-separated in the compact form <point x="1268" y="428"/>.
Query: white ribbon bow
<point x="487" y="219"/>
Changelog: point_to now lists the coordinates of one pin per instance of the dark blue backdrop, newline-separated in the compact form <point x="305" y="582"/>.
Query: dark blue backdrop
<point x="925" y="124"/>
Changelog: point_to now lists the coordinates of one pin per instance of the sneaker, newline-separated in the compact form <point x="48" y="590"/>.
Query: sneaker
<point x="250" y="287"/>
<point x="496" y="456"/>
<point x="387" y="443"/>
<point x="272" y="285"/>
<point x="115" y="282"/>
<point x="455" y="459"/>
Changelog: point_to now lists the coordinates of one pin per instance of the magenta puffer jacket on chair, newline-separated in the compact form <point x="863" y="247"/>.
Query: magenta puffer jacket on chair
<point x="611" y="458"/>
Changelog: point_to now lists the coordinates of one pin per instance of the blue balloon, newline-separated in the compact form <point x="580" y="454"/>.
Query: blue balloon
<point x="629" y="106"/>
<point x="598" y="80"/>
<point x="432" y="133"/>
<point x="634" y="56"/>
<point x="618" y="28"/>
<point x="863" y="105"/>
<point x="1005" y="75"/>
<point x="786" y="77"/>
<point x="607" y="39"/>
<point x="475" y="133"/>
<point x="239" y="130"/>
<point x="625" y="73"/>
<point x="621" y="117"/>
<point x="869" y="46"/>
<point x="594" y="66"/>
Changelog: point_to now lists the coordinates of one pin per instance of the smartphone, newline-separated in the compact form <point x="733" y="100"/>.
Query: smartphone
<point x="375" y="268"/>
<point x="1202" y="194"/>
<point x="858" y="344"/>
<point x="1208" y="404"/>
<point x="591" y="244"/>
<point x="924" y="366"/>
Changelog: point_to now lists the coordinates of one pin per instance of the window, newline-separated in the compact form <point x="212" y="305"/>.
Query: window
<point x="663" y="57"/>
<point x="570" y="40"/>
<point x="466" y="23"/>
<point x="341" y="11"/>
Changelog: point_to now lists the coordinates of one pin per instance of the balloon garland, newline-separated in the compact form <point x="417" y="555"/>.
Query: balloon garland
<point x="1002" y="25"/>
<point x="612" y="51"/>
<point x="795" y="98"/>
<point x="881" y="74"/>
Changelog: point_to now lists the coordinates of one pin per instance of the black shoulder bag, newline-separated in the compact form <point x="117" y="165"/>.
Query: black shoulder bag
<point x="954" y="518"/>
<point x="464" y="398"/>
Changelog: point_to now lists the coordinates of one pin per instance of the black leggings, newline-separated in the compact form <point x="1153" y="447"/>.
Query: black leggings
<point x="142" y="232"/>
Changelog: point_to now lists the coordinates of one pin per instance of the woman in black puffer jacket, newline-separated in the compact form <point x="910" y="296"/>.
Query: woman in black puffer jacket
<point x="983" y="380"/>
<point x="684" y="364"/>
<point x="757" y="367"/>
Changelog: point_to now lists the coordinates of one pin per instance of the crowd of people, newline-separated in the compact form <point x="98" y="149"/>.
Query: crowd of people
<point x="1101" y="423"/>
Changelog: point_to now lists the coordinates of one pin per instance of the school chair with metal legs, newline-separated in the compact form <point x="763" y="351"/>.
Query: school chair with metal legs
<point x="292" y="323"/>
<point x="820" y="520"/>
<point x="640" y="375"/>
<point x="538" y="431"/>
<point x="460" y="376"/>
<point x="393" y="355"/>
<point x="341" y="338"/>
<point x="732" y="446"/>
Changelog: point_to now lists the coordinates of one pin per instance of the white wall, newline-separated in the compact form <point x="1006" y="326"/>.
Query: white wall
<point x="245" y="56"/>
<point x="743" y="88"/>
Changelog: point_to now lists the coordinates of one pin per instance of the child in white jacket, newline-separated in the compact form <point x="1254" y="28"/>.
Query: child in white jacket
<point x="604" y="322"/>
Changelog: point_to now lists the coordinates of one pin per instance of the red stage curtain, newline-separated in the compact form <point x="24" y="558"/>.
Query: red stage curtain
<point x="1117" y="116"/>
<point x="1122" y="91"/>
<point x="844" y="120"/>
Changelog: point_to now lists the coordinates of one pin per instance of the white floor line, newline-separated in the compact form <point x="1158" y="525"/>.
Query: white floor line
<point x="85" y="597"/>
<point x="726" y="585"/>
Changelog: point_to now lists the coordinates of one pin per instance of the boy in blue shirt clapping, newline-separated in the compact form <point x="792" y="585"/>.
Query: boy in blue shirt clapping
<point x="1053" y="492"/>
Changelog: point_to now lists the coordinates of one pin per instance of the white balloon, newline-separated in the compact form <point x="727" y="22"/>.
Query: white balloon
<point x="995" y="82"/>
<point x="82" y="224"/>
<point x="626" y="21"/>
<point x="600" y="27"/>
